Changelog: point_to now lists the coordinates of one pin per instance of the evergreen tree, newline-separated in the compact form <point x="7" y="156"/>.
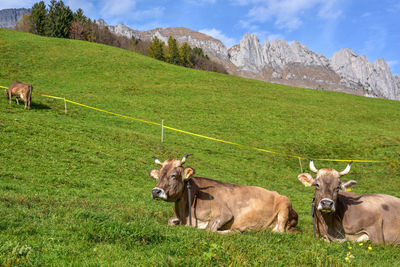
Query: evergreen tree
<point x="156" y="49"/>
<point x="59" y="19"/>
<point x="172" y="51"/>
<point x="38" y="18"/>
<point x="184" y="55"/>
<point x="79" y="17"/>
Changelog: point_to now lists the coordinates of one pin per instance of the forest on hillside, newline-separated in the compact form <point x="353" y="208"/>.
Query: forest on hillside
<point x="58" y="20"/>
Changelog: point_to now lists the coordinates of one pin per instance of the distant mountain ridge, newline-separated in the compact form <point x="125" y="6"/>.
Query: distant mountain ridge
<point x="276" y="61"/>
<point x="10" y="17"/>
<point x="290" y="64"/>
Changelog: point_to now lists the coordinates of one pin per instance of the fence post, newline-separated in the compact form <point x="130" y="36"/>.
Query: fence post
<point x="162" y="131"/>
<point x="65" y="106"/>
<point x="301" y="167"/>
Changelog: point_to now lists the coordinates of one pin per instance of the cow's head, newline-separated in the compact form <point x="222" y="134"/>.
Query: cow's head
<point x="171" y="179"/>
<point x="327" y="185"/>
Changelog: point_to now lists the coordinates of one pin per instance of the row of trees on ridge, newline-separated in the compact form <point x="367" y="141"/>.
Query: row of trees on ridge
<point x="58" y="20"/>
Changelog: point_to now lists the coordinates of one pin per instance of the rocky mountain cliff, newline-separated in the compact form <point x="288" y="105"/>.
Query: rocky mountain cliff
<point x="294" y="64"/>
<point x="10" y="17"/>
<point x="291" y="64"/>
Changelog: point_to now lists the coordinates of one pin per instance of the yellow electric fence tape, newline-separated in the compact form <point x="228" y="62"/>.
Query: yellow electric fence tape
<point x="202" y="136"/>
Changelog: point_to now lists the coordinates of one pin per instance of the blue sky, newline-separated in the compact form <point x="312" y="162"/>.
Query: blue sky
<point x="369" y="28"/>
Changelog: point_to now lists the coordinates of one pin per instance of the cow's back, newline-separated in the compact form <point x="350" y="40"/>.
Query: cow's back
<point x="376" y="214"/>
<point x="252" y="207"/>
<point x="19" y="87"/>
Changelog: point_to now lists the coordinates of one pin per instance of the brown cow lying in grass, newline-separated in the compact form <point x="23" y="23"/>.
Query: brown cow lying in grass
<point x="219" y="206"/>
<point x="20" y="90"/>
<point x="341" y="215"/>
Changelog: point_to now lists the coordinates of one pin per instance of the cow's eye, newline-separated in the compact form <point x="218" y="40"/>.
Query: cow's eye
<point x="173" y="176"/>
<point x="338" y="188"/>
<point x="317" y="185"/>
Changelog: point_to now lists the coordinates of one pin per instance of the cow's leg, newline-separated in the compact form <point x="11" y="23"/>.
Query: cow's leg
<point x="281" y="223"/>
<point x="9" y="97"/>
<point x="16" y="99"/>
<point x="363" y="238"/>
<point x="375" y="231"/>
<point x="282" y="215"/>
<point x="173" y="221"/>
<point x="26" y="102"/>
<point x="219" y="222"/>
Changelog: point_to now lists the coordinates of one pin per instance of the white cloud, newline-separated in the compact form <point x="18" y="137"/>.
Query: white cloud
<point x="392" y="63"/>
<point x="124" y="11"/>
<point x="278" y="36"/>
<point x="288" y="14"/>
<point x="117" y="8"/>
<point x="328" y="10"/>
<point x="376" y="42"/>
<point x="217" y="34"/>
<point x="88" y="7"/>
<point x="366" y="14"/>
<point x="154" y="12"/>
<point x="395" y="8"/>
<point x="200" y="2"/>
<point x="16" y="3"/>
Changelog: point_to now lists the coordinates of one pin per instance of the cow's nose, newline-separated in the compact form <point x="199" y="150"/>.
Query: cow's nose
<point x="156" y="192"/>
<point x="327" y="203"/>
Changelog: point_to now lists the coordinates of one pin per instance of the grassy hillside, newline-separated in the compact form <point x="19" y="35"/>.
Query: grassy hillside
<point x="74" y="189"/>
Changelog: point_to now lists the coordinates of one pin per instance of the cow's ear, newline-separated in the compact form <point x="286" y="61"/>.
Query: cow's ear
<point x="306" y="179"/>
<point x="154" y="174"/>
<point x="347" y="185"/>
<point x="188" y="172"/>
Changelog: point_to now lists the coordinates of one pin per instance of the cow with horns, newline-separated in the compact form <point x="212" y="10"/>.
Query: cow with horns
<point x="341" y="215"/>
<point x="217" y="206"/>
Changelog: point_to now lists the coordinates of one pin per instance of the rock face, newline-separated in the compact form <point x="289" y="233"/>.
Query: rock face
<point x="374" y="78"/>
<point x="280" y="62"/>
<point x="285" y="63"/>
<point x="294" y="64"/>
<point x="10" y="17"/>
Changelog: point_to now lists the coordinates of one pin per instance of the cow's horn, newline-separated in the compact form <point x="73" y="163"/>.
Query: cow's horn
<point x="346" y="171"/>
<point x="185" y="157"/>
<point x="157" y="161"/>
<point x="312" y="167"/>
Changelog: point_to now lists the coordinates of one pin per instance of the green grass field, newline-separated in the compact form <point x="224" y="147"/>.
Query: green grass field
<point x="75" y="190"/>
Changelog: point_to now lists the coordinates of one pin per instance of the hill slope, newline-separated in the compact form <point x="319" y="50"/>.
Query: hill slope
<point x="75" y="188"/>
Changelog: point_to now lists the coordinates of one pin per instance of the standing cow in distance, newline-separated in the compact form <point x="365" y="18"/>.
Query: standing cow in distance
<point x="217" y="206"/>
<point x="341" y="215"/>
<point x="20" y="90"/>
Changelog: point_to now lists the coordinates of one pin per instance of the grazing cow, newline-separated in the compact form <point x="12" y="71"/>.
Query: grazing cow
<point x="341" y="215"/>
<point x="20" y="90"/>
<point x="219" y="206"/>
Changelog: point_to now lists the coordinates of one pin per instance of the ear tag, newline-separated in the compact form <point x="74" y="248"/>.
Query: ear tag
<point x="189" y="173"/>
<point x="348" y="189"/>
